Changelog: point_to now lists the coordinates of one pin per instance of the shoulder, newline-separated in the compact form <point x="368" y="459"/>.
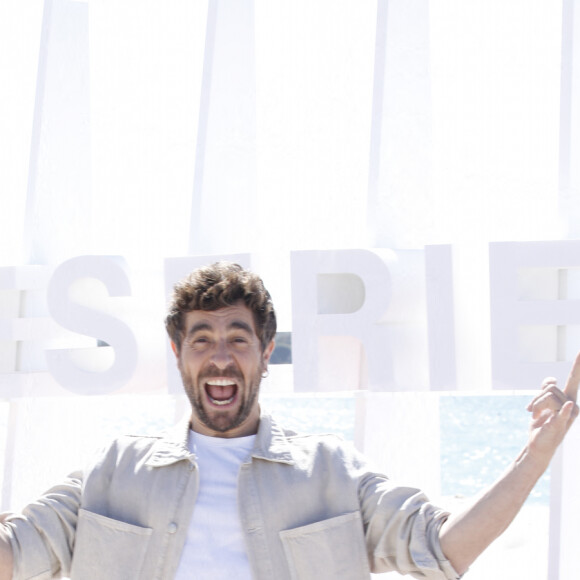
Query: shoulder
<point x="294" y="437"/>
<point x="326" y="442"/>
<point x="330" y="447"/>
<point x="322" y="448"/>
<point x="135" y="444"/>
<point x="140" y="448"/>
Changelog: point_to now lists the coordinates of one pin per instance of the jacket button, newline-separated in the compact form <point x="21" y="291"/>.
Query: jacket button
<point x="172" y="528"/>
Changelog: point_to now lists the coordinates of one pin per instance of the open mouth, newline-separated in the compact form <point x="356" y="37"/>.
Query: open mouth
<point x="221" y="392"/>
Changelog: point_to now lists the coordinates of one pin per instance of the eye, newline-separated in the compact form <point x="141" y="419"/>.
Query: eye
<point x="200" y="341"/>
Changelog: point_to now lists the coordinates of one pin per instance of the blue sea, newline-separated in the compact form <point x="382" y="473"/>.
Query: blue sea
<point x="479" y="435"/>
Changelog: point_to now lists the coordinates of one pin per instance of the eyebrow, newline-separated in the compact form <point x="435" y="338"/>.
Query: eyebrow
<point x="240" y="325"/>
<point x="236" y="325"/>
<point x="198" y="327"/>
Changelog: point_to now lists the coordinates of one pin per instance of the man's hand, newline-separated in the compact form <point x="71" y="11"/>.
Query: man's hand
<point x="465" y="535"/>
<point x="553" y="412"/>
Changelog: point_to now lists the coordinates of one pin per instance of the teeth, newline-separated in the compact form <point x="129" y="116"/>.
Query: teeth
<point x="221" y="382"/>
<point x="226" y="402"/>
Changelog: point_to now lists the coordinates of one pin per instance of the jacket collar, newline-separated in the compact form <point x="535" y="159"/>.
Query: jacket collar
<point x="271" y="444"/>
<point x="171" y="446"/>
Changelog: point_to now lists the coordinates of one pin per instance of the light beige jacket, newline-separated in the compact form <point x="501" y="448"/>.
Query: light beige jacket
<point x="309" y="507"/>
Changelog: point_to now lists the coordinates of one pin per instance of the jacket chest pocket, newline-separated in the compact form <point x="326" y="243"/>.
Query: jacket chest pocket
<point x="328" y="549"/>
<point x="108" y="549"/>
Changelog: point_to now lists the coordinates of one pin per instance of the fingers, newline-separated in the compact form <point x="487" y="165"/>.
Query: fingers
<point x="567" y="414"/>
<point x="549" y="382"/>
<point x="552" y="426"/>
<point x="549" y="397"/>
<point x="542" y="417"/>
<point x="551" y="406"/>
<point x="571" y="388"/>
<point x="554" y="410"/>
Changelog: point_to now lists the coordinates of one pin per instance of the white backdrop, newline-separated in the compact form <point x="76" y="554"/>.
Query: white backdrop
<point x="154" y="131"/>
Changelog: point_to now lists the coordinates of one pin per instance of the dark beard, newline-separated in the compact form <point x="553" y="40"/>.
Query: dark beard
<point x="220" y="422"/>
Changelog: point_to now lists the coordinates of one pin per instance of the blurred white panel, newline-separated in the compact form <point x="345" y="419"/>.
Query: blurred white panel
<point x="20" y="32"/>
<point x="565" y="508"/>
<point x="58" y="217"/>
<point x="146" y="69"/>
<point x="223" y="215"/>
<point x="570" y="121"/>
<point x="401" y="437"/>
<point x="399" y="211"/>
<point x="495" y="79"/>
<point x="314" y="71"/>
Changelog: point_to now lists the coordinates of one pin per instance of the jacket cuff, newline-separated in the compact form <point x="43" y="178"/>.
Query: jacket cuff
<point x="34" y="562"/>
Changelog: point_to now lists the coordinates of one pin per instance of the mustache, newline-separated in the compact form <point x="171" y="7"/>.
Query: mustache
<point x="214" y="372"/>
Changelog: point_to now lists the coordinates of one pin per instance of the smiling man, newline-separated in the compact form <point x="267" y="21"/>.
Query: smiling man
<point x="221" y="361"/>
<point x="222" y="323"/>
<point x="230" y="493"/>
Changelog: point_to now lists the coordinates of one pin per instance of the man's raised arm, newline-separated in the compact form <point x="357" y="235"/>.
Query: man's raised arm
<point x="465" y="536"/>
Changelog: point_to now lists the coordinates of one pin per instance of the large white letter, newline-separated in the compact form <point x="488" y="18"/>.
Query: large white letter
<point x="24" y="327"/>
<point x="531" y="311"/>
<point x="339" y="303"/>
<point x="441" y="317"/>
<point x="112" y="332"/>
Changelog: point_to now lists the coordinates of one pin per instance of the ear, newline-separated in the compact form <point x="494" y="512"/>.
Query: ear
<point x="268" y="352"/>
<point x="174" y="349"/>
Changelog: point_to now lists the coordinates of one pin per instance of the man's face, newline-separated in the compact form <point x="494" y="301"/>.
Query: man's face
<point x="221" y="363"/>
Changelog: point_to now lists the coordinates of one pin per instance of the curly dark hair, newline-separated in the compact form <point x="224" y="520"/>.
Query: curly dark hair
<point x="216" y="286"/>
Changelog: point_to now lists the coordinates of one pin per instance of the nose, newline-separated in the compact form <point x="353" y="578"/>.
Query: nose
<point x="221" y="356"/>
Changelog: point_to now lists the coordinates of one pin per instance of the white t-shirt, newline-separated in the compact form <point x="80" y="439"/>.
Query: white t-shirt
<point x="215" y="547"/>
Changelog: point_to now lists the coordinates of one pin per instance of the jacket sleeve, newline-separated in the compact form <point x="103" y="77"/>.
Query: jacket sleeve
<point x="402" y="530"/>
<point x="42" y="537"/>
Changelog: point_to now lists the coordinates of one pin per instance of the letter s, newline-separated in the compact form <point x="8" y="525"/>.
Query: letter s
<point x="112" y="272"/>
